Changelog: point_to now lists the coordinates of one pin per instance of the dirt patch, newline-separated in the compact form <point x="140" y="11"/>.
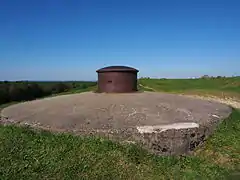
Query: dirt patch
<point x="235" y="103"/>
<point x="229" y="101"/>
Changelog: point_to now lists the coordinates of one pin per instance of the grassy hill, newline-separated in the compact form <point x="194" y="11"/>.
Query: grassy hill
<point x="29" y="154"/>
<point x="221" y="87"/>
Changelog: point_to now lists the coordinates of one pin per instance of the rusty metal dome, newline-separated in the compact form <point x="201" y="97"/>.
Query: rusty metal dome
<point x="117" y="79"/>
<point x="117" y="69"/>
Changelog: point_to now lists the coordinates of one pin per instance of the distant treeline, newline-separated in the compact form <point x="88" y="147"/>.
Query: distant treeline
<point x="25" y="90"/>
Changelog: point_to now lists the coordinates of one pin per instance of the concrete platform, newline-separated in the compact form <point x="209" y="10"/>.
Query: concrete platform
<point x="162" y="123"/>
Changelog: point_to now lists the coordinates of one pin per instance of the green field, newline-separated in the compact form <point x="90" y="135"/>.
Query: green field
<point x="221" y="87"/>
<point x="31" y="154"/>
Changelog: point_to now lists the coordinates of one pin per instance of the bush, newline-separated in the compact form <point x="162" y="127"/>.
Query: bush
<point x="4" y="95"/>
<point x="15" y="93"/>
<point x="60" y="87"/>
<point x="23" y="90"/>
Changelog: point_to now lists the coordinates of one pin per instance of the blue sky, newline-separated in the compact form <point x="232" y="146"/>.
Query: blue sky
<point x="70" y="39"/>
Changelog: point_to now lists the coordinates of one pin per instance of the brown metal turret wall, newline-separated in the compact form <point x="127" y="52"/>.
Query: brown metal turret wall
<point x="117" y="82"/>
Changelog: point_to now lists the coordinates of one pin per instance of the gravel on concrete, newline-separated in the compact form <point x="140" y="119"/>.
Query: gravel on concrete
<point x="115" y="110"/>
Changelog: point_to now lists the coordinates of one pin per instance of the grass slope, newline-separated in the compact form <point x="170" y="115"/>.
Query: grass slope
<point x="221" y="87"/>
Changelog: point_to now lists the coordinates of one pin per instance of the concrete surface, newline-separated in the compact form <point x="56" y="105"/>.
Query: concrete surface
<point x="162" y="123"/>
